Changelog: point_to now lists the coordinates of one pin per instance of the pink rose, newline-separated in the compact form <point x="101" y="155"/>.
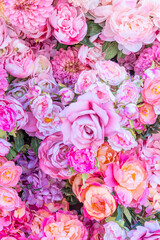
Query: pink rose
<point x="4" y="147"/>
<point x="151" y="89"/>
<point x="3" y="78"/>
<point x="20" y="65"/>
<point x="41" y="65"/>
<point x="147" y="114"/>
<point x="9" y="199"/>
<point x="87" y="122"/>
<point x="10" y="174"/>
<point x="66" y="95"/>
<point x="69" y="23"/>
<point x="86" y="79"/>
<point x="52" y="156"/>
<point x="82" y="160"/>
<point x="113" y="231"/>
<point x="122" y="140"/>
<point x="4" y="36"/>
<point x="7" y="118"/>
<point x="111" y="72"/>
<point x="86" y="5"/>
<point x="131" y="111"/>
<point x="130" y="28"/>
<point x="31" y="126"/>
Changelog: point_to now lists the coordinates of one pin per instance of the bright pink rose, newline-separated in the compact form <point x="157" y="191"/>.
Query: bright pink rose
<point x="113" y="231"/>
<point x="151" y="89"/>
<point x="150" y="231"/>
<point x="52" y="157"/>
<point x="9" y="199"/>
<point x="147" y="114"/>
<point x="69" y="23"/>
<point x="41" y="65"/>
<point x="20" y="65"/>
<point x="87" y="122"/>
<point x="9" y="174"/>
<point x="3" y="78"/>
<point x="66" y="95"/>
<point x="4" y="147"/>
<point x="122" y="140"/>
<point x="131" y="29"/>
<point x="111" y="72"/>
<point x="82" y="161"/>
<point x="7" y="118"/>
<point x="86" y="79"/>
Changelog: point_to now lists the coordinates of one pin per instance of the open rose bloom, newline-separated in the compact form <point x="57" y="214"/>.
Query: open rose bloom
<point x="79" y="119"/>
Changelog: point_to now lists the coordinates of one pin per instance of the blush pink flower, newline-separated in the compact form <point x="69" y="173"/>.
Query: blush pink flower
<point x="66" y="66"/>
<point x="9" y="174"/>
<point x="66" y="95"/>
<point x="131" y="111"/>
<point x="52" y="156"/>
<point x="4" y="34"/>
<point x="113" y="231"/>
<point x="3" y="78"/>
<point x="82" y="161"/>
<point x="86" y="5"/>
<point x="122" y="140"/>
<point x="29" y="16"/>
<point x="87" y="122"/>
<point x="4" y="147"/>
<point x="9" y="199"/>
<point x="111" y="72"/>
<point x="69" y="23"/>
<point x="147" y="114"/>
<point x="85" y="80"/>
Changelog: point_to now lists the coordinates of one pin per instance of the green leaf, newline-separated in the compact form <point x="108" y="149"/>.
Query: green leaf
<point x="126" y="212"/>
<point x="3" y="134"/>
<point x="131" y="123"/>
<point x="105" y="46"/>
<point x="120" y="54"/>
<point x="12" y="153"/>
<point x="87" y="42"/>
<point x="35" y="144"/>
<point x="119" y="213"/>
<point x="112" y="51"/>
<point x="60" y="45"/>
<point x="18" y="140"/>
<point x="97" y="163"/>
<point x="84" y="178"/>
<point x="93" y="28"/>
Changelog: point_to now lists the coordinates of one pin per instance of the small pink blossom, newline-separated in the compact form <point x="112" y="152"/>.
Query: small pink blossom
<point x="66" y="95"/>
<point x="82" y="160"/>
<point x="113" y="231"/>
<point x="131" y="111"/>
<point x="3" y="78"/>
<point x="9" y="199"/>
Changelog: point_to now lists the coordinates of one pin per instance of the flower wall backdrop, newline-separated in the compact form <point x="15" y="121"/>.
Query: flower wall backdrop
<point x="79" y="119"/>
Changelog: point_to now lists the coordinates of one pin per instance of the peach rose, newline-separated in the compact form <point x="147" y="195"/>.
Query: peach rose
<point x="147" y="114"/>
<point x="9" y="199"/>
<point x="9" y="174"/>
<point x="151" y="89"/>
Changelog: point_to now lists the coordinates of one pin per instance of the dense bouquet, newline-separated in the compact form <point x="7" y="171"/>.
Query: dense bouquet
<point x="79" y="119"/>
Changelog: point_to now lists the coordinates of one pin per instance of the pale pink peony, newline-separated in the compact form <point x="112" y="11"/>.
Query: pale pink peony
<point x="9" y="199"/>
<point x="85" y="80"/>
<point x="122" y="140"/>
<point x="113" y="231"/>
<point x="86" y="5"/>
<point x="67" y="95"/>
<point x="147" y="114"/>
<point x="87" y="122"/>
<point x="130" y="28"/>
<point x="4" y="147"/>
<point x="3" y="78"/>
<point x="9" y="174"/>
<point x="30" y="16"/>
<point x="20" y="65"/>
<point x="82" y="160"/>
<point x="111" y="72"/>
<point x="69" y="23"/>
<point x="52" y="156"/>
<point x="131" y="111"/>
<point x="42" y="65"/>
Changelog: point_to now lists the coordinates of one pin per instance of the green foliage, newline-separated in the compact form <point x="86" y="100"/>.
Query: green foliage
<point x="93" y="28"/>
<point x="111" y="51"/>
<point x="19" y="141"/>
<point x="87" y="42"/>
<point x="35" y="144"/>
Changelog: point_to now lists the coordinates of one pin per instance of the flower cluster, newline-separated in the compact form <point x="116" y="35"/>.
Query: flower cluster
<point x="79" y="119"/>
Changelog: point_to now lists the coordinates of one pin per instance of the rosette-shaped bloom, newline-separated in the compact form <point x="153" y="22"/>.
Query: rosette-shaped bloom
<point x="9" y="174"/>
<point x="66" y="95"/>
<point x="111" y="72"/>
<point x="52" y="156"/>
<point x="4" y="147"/>
<point x="29" y="16"/>
<point x="147" y="114"/>
<point x="64" y="226"/>
<point x="86" y="5"/>
<point x="66" y="66"/>
<point x="151" y="89"/>
<point x="150" y="231"/>
<point x="9" y="199"/>
<point x="82" y="160"/>
<point x="69" y="23"/>
<point x="114" y="232"/>
<point x="3" y="79"/>
<point x="87" y="122"/>
<point x="12" y="114"/>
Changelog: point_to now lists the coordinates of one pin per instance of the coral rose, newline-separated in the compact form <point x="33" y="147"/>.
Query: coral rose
<point x="147" y="114"/>
<point x="87" y="122"/>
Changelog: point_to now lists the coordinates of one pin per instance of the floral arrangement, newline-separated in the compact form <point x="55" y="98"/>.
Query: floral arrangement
<point x="79" y="119"/>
